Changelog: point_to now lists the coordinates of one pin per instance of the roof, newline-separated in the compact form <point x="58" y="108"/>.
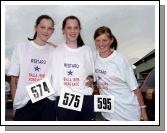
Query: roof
<point x="146" y="57"/>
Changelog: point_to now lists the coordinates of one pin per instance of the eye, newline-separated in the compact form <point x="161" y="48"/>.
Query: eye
<point x="68" y="28"/>
<point x="105" y="40"/>
<point x="76" y="28"/>
<point x="50" y="29"/>
<point x="42" y="27"/>
<point x="97" y="41"/>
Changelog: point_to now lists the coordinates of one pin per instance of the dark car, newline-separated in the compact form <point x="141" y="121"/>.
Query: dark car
<point x="140" y="82"/>
<point x="148" y="92"/>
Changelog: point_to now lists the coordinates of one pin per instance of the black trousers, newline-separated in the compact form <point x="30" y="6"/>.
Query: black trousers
<point x="87" y="113"/>
<point x="43" y="110"/>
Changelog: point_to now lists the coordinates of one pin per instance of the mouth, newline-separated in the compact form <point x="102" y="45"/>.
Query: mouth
<point x="72" y="35"/>
<point x="45" y="35"/>
<point x="101" y="47"/>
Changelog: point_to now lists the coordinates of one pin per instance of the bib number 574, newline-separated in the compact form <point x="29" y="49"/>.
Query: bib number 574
<point x="40" y="90"/>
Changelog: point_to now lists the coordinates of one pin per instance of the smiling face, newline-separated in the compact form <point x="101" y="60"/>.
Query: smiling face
<point x="103" y="44"/>
<point x="71" y="30"/>
<point x="44" y="30"/>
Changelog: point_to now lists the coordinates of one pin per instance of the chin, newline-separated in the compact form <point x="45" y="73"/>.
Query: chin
<point x="102" y="52"/>
<point x="45" y="40"/>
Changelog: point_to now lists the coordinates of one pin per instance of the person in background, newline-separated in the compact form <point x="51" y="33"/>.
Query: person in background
<point x="115" y="77"/>
<point x="71" y="64"/>
<point x="28" y="65"/>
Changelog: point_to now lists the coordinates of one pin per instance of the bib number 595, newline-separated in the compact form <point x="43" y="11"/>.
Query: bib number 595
<point x="103" y="103"/>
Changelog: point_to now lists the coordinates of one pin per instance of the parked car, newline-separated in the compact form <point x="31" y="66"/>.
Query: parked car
<point x="148" y="92"/>
<point x="140" y="82"/>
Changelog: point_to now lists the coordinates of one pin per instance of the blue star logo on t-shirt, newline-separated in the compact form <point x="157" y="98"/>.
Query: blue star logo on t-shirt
<point x="70" y="73"/>
<point x="36" y="68"/>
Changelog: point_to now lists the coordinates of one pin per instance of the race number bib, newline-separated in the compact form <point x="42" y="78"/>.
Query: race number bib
<point x="40" y="90"/>
<point x="103" y="103"/>
<point x="71" y="100"/>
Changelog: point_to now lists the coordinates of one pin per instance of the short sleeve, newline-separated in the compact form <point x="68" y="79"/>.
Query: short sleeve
<point x="91" y="63"/>
<point x="49" y="67"/>
<point x="129" y="75"/>
<point x="14" y="69"/>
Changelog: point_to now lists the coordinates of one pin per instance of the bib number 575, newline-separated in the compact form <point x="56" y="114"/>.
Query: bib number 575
<point x="71" y="100"/>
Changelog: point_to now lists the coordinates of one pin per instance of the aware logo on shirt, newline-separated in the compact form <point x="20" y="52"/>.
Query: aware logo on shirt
<point x="36" y="72"/>
<point x="71" y="77"/>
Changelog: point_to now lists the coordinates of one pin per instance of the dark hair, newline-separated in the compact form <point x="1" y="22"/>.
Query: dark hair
<point x="102" y="30"/>
<point x="80" y="42"/>
<point x="38" y="21"/>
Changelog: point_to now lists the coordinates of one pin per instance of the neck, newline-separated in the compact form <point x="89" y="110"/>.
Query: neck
<point x="106" y="54"/>
<point x="39" y="42"/>
<point x="72" y="44"/>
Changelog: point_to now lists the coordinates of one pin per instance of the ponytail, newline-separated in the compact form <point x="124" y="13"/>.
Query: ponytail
<point x="35" y="35"/>
<point x="114" y="44"/>
<point x="80" y="42"/>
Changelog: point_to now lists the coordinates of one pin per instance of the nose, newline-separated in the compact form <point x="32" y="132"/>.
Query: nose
<point x="46" y="31"/>
<point x="72" y="30"/>
<point x="100" y="43"/>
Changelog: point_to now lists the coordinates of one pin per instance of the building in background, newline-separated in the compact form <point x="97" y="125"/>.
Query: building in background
<point x="145" y="65"/>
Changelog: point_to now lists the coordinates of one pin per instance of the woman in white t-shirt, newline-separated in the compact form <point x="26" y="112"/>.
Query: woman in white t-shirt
<point x="71" y="63"/>
<point x="29" y="65"/>
<point x="115" y="78"/>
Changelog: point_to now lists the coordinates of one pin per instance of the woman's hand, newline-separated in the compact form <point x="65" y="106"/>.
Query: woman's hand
<point x="92" y="84"/>
<point x="89" y="81"/>
<point x="143" y="116"/>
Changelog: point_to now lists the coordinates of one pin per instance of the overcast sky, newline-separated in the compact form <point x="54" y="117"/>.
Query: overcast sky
<point x="133" y="26"/>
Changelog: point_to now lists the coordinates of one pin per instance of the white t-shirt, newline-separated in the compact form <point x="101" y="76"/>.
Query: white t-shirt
<point x="116" y="77"/>
<point x="29" y="62"/>
<point x="69" y="68"/>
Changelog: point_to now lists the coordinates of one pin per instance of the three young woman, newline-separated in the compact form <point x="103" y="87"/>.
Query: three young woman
<point x="67" y="67"/>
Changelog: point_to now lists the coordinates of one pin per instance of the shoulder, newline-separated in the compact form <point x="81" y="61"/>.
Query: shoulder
<point x="124" y="62"/>
<point x="52" y="45"/>
<point x="120" y="58"/>
<point x="57" y="51"/>
<point x="119" y="55"/>
<point x="86" y="47"/>
<point x="21" y="46"/>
